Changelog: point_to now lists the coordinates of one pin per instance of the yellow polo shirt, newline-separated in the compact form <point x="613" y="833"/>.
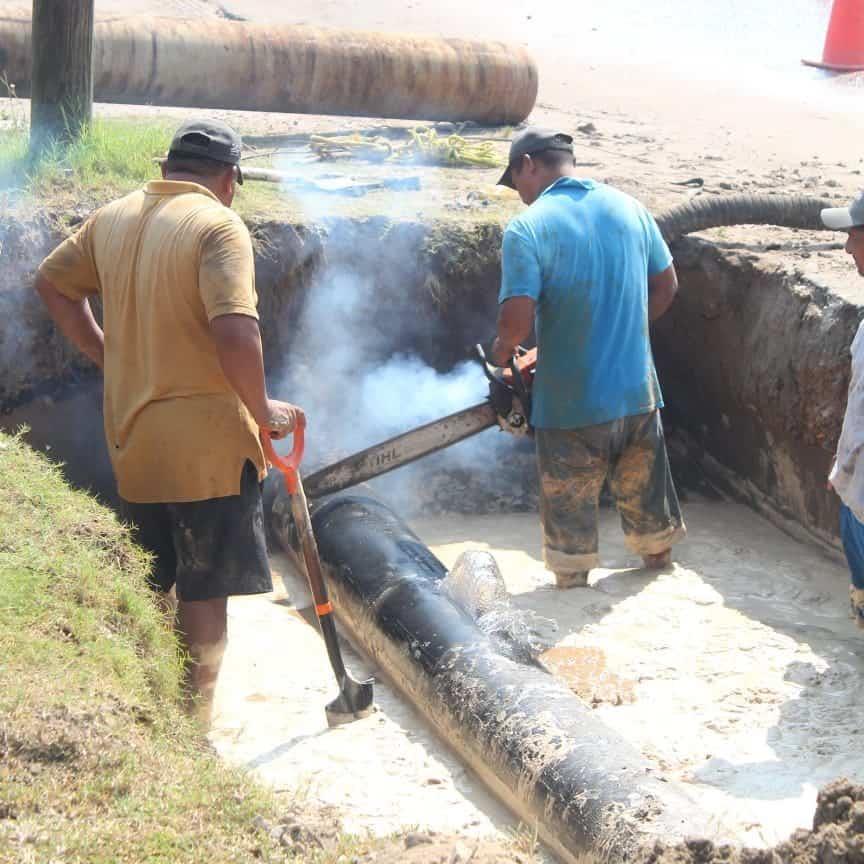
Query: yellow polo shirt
<point x="166" y="260"/>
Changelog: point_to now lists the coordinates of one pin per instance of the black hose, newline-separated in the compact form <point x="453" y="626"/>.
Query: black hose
<point x="786" y="211"/>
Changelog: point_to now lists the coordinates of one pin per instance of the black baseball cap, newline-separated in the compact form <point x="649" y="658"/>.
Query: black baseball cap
<point x="210" y="139"/>
<point x="533" y="139"/>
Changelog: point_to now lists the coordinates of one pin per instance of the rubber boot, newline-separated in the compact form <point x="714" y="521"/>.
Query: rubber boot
<point x="660" y="561"/>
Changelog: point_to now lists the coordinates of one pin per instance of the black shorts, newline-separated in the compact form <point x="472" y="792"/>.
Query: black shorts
<point x="208" y="549"/>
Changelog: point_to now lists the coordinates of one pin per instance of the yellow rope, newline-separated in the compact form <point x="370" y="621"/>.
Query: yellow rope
<point x="424" y="146"/>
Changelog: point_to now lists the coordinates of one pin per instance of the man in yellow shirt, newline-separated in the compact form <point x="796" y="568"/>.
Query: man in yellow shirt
<point x="185" y="395"/>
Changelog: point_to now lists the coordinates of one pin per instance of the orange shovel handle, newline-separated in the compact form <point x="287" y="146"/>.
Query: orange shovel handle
<point x="289" y="465"/>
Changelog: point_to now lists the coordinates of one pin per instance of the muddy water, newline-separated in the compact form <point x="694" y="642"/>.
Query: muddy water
<point x="747" y="674"/>
<point x="383" y="773"/>
<point x="587" y="673"/>
<point x="737" y="673"/>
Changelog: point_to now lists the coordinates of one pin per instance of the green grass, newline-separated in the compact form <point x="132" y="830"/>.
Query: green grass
<point x="97" y="762"/>
<point x="111" y="157"/>
<point x="98" y="765"/>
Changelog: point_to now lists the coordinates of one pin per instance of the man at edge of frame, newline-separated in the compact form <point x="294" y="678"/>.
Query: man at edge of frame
<point x="847" y="472"/>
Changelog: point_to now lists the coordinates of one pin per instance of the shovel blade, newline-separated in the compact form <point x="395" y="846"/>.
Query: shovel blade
<point x="353" y="703"/>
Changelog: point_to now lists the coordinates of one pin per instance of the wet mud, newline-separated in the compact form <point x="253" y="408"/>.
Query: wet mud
<point x="747" y="672"/>
<point x="585" y="671"/>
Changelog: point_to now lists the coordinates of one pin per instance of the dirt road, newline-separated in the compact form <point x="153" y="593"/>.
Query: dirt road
<point x="733" y="86"/>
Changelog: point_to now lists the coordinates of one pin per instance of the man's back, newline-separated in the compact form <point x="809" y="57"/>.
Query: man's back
<point x="166" y="260"/>
<point x="584" y="252"/>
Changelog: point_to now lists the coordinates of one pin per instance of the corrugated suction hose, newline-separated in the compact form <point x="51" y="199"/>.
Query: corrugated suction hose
<point x="786" y="211"/>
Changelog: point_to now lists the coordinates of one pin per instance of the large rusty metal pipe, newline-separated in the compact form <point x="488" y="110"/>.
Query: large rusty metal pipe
<point x="298" y="69"/>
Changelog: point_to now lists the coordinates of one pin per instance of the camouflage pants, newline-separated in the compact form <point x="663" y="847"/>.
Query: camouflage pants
<point x="574" y="463"/>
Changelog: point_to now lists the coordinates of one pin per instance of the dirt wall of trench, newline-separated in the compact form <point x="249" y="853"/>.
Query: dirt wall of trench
<point x="420" y="290"/>
<point x="753" y="358"/>
<point x="434" y="292"/>
<point x="754" y="364"/>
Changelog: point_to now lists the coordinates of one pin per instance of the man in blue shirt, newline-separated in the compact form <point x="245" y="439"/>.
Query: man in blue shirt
<point x="586" y="265"/>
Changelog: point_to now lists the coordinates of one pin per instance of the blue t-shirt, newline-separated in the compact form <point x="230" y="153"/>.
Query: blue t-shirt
<point x="584" y="251"/>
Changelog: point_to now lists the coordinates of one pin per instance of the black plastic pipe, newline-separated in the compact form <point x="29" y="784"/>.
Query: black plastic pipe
<point x="531" y="740"/>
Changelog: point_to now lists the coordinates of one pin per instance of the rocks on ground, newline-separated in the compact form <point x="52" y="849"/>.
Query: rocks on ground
<point x="306" y="831"/>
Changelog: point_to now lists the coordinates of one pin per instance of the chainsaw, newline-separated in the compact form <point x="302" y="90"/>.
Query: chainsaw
<point x="508" y="406"/>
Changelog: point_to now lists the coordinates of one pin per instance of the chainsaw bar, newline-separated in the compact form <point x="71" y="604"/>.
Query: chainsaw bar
<point x="401" y="450"/>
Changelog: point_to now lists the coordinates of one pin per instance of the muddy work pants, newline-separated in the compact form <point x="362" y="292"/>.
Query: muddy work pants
<point x="574" y="463"/>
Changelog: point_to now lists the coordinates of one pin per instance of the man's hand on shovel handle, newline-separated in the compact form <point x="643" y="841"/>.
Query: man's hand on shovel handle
<point x="281" y="419"/>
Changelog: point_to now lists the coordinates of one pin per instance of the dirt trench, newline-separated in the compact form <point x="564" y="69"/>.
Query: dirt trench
<point x="434" y="292"/>
<point x="754" y="362"/>
<point x="753" y="356"/>
<point x="753" y="359"/>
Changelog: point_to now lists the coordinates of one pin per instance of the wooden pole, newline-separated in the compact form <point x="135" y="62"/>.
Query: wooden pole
<point x="62" y="73"/>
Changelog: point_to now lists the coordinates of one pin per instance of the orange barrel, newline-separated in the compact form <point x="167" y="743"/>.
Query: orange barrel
<point x="260" y="67"/>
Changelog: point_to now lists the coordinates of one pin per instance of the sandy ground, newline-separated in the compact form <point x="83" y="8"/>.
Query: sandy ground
<point x="383" y="773"/>
<point x="739" y="670"/>
<point x="746" y="669"/>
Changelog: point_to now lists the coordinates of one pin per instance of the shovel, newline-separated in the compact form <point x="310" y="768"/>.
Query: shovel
<point x="355" y="697"/>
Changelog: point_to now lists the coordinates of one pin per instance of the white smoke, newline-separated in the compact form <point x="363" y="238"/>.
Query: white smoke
<point x="345" y="375"/>
<point x="359" y="361"/>
<point x="349" y="371"/>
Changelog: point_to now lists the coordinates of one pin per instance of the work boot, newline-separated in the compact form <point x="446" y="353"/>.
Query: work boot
<point x="660" y="561"/>
<point x="856" y="601"/>
<point x="573" y="579"/>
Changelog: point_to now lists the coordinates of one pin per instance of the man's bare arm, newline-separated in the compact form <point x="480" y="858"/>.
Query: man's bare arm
<point x="515" y="320"/>
<point x="238" y="343"/>
<point x="75" y="320"/>
<point x="662" y="288"/>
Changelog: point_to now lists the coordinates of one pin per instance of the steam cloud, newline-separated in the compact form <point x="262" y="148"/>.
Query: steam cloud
<point x="350" y="371"/>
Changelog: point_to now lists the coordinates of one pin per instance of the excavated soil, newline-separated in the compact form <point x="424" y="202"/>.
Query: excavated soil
<point x="837" y="837"/>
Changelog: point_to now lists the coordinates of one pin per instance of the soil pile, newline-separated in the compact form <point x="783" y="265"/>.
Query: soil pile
<point x="837" y="838"/>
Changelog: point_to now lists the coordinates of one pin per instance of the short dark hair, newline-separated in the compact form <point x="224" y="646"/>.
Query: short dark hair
<point x="554" y="158"/>
<point x="198" y="166"/>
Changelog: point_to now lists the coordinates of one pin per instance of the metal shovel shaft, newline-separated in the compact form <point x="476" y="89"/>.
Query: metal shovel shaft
<point x="355" y="697"/>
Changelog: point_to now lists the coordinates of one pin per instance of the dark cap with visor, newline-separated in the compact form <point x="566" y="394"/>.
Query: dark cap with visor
<point x="533" y="139"/>
<point x="209" y="139"/>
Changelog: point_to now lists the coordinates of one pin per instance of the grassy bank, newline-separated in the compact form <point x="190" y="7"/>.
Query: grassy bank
<point x="97" y="763"/>
<point x="116" y="156"/>
<point x="112" y="158"/>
